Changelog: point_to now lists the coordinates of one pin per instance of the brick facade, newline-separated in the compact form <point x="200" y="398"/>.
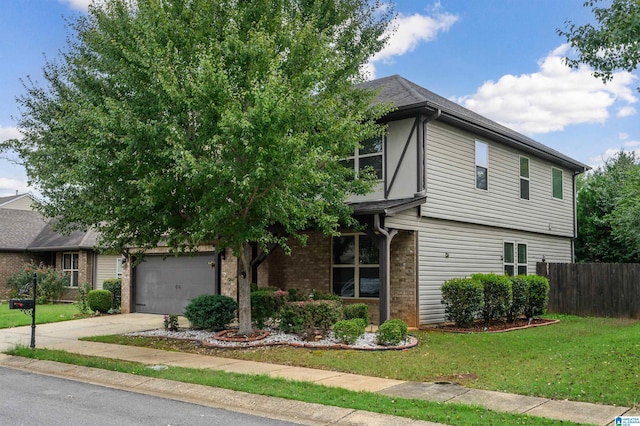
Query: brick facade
<point x="11" y="263"/>
<point x="308" y="268"/>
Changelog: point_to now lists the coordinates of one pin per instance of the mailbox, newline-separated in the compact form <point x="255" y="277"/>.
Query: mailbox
<point x="21" y="304"/>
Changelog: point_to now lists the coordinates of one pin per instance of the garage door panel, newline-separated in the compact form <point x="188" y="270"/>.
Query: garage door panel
<point x="167" y="285"/>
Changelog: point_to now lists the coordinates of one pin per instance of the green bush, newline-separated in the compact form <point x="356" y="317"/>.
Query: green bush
<point x="497" y="295"/>
<point x="265" y="304"/>
<point x="537" y="295"/>
<point x="392" y="332"/>
<point x="211" y="312"/>
<point x="347" y="331"/>
<point x="114" y="285"/>
<point x="99" y="300"/>
<point x="295" y="295"/>
<point x="519" y="286"/>
<point x="319" y="295"/>
<point x="81" y="298"/>
<point x="356" y="310"/>
<point x="52" y="284"/>
<point x="463" y="299"/>
<point x="309" y="319"/>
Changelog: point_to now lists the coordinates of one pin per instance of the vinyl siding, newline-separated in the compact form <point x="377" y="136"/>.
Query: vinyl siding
<point x="451" y="191"/>
<point x="22" y="203"/>
<point x="471" y="248"/>
<point x="106" y="268"/>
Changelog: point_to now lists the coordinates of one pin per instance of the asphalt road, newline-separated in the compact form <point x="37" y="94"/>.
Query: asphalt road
<point x="35" y="400"/>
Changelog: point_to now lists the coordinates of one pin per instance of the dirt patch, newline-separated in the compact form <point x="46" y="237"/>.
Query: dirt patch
<point x="495" y="326"/>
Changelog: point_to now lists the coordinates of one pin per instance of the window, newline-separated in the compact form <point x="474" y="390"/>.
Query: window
<point x="556" y="181"/>
<point x="119" y="267"/>
<point x="515" y="261"/>
<point x="70" y="267"/>
<point x="369" y="155"/>
<point x="524" y="178"/>
<point x="482" y="164"/>
<point x="355" y="266"/>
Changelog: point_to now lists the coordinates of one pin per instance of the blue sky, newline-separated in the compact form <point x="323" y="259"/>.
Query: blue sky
<point x="500" y="58"/>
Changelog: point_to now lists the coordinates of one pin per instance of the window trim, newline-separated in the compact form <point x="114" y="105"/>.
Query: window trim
<point x="356" y="157"/>
<point x="70" y="271"/>
<point x="517" y="258"/>
<point x="504" y="256"/>
<point x="516" y="264"/>
<point x="485" y="166"/>
<point x="553" y="192"/>
<point x="356" y="266"/>
<point x="525" y="178"/>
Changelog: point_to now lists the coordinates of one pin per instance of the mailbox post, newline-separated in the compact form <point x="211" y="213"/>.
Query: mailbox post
<point x="26" y="305"/>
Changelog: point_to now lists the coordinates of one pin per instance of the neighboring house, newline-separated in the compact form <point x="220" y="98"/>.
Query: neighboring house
<point x="26" y="236"/>
<point x="458" y="194"/>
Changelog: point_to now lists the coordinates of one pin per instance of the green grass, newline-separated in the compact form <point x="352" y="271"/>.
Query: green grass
<point x="581" y="359"/>
<point x="44" y="314"/>
<point x="302" y="391"/>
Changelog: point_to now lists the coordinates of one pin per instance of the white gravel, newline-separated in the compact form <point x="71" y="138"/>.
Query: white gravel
<point x="366" y="341"/>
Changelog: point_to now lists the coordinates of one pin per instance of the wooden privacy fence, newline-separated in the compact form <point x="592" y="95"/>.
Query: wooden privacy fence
<point x="593" y="289"/>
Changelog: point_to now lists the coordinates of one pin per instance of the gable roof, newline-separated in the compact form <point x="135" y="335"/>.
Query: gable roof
<point x="18" y="228"/>
<point x="4" y="201"/>
<point x="410" y="98"/>
<point x="50" y="240"/>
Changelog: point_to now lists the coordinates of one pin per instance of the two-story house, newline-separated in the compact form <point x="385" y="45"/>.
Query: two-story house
<point x="458" y="194"/>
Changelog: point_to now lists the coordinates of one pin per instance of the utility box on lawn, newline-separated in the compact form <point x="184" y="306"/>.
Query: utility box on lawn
<point x="21" y="304"/>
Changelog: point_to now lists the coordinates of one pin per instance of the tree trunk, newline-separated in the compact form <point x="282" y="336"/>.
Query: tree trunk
<point x="244" y="289"/>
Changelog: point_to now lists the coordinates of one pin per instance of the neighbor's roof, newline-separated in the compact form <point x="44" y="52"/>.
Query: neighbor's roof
<point x="50" y="240"/>
<point x="18" y="228"/>
<point x="408" y="96"/>
<point x="11" y="198"/>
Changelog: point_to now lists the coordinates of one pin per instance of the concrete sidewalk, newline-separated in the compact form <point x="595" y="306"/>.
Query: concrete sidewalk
<point x="64" y="336"/>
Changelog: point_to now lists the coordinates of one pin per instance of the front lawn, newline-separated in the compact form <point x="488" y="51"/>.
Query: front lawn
<point x="580" y="359"/>
<point x="44" y="314"/>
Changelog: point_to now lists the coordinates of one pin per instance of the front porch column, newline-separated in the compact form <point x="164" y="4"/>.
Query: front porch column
<point x="384" y="248"/>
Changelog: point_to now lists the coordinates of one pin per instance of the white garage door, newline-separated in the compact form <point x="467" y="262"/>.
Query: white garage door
<point x="165" y="285"/>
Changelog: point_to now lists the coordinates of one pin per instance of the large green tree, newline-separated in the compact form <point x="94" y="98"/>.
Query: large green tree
<point x="604" y="203"/>
<point x="612" y="42"/>
<point x="191" y="121"/>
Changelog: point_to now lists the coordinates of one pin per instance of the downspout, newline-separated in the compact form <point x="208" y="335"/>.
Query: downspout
<point x="384" y="247"/>
<point x="422" y="149"/>
<point x="575" y="215"/>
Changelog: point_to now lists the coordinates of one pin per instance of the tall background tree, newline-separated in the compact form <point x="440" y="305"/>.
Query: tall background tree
<point x="612" y="43"/>
<point x="194" y="121"/>
<point x="603" y="209"/>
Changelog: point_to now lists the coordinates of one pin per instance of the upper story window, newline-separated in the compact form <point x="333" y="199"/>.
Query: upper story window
<point x="70" y="267"/>
<point x="368" y="155"/>
<point x="524" y="178"/>
<point x="556" y="182"/>
<point x="482" y="165"/>
<point x="355" y="266"/>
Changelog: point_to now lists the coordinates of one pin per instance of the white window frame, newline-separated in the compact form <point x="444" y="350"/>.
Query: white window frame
<point x="516" y="247"/>
<point x="356" y="266"/>
<point x="73" y="280"/>
<point x="357" y="156"/>
<point x="517" y="258"/>
<point x="523" y="178"/>
<point x="482" y="161"/>
<point x="119" y="267"/>
<point x="553" y="194"/>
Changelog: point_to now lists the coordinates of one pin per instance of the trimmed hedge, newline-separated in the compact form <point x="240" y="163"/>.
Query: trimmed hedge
<point x="519" y="285"/>
<point x="463" y="299"/>
<point x="310" y="319"/>
<point x="348" y="331"/>
<point x="265" y="304"/>
<point x="537" y="295"/>
<point x="497" y="295"/>
<point x="114" y="285"/>
<point x="392" y="332"/>
<point x="356" y="310"/>
<point x="99" y="300"/>
<point x="211" y="312"/>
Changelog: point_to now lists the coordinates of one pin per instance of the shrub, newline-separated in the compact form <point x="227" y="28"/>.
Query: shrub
<point x="497" y="295"/>
<point x="318" y="295"/>
<point x="81" y="298"/>
<point x="295" y="295"/>
<point x="356" y="310"/>
<point x="170" y="322"/>
<point x="211" y="312"/>
<point x="463" y="299"/>
<point x="114" y="285"/>
<point x="537" y="295"/>
<point x="51" y="283"/>
<point x="265" y="304"/>
<point x="99" y="300"/>
<point x="392" y="332"/>
<point x="518" y="297"/>
<point x="348" y="331"/>
<point x="309" y="319"/>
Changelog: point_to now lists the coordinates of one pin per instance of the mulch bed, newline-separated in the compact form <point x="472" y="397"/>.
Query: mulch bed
<point x="495" y="326"/>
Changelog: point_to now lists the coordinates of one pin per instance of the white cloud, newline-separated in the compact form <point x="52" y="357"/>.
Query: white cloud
<point x="626" y="111"/>
<point x="10" y="186"/>
<point x="623" y="136"/>
<point x="552" y="98"/>
<point x="81" y="5"/>
<point x="629" y="146"/>
<point x="406" y="32"/>
<point x="9" y="133"/>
